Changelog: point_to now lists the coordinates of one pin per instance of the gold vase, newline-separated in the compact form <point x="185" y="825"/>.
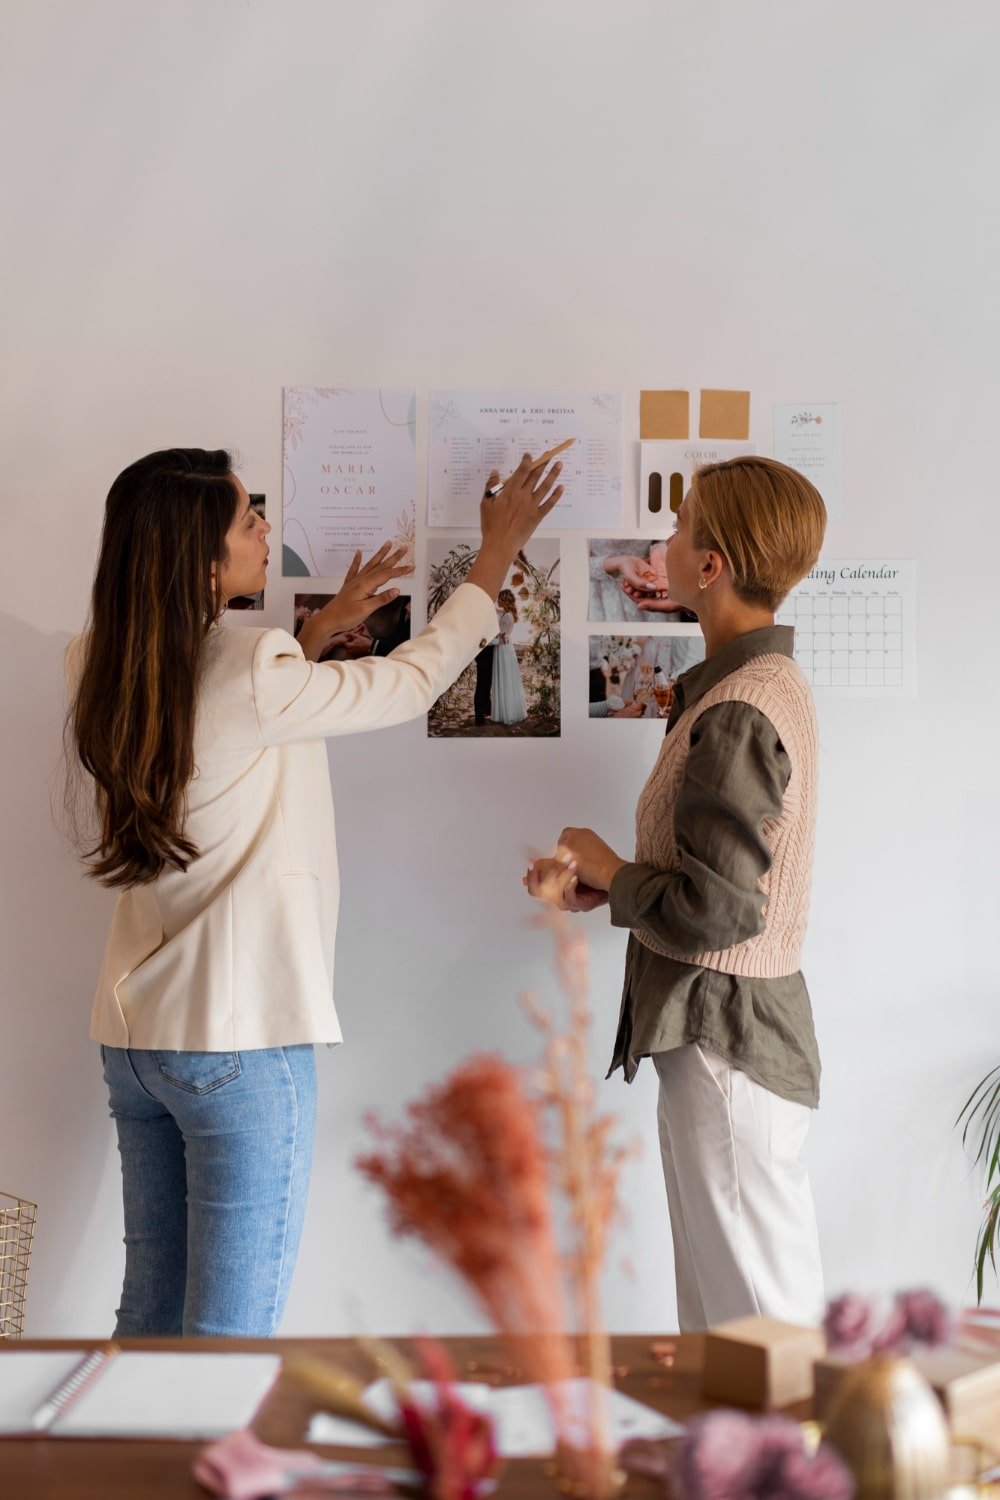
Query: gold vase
<point x="888" y="1427"/>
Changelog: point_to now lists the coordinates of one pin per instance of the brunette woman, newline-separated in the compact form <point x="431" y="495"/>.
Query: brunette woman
<point x="214" y="823"/>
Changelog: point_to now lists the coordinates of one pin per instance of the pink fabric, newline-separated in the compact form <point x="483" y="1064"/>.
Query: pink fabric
<point x="241" y="1467"/>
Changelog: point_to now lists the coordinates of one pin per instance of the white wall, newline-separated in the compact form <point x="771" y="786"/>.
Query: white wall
<point x="205" y="201"/>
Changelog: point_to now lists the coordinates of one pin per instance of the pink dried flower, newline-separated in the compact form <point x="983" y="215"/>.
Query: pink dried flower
<point x="727" y="1455"/>
<point x="586" y="1164"/>
<point x="927" y="1319"/>
<point x="890" y="1335"/>
<point x="857" y="1327"/>
<point x="715" y="1456"/>
<point x="466" y="1174"/>
<point x="722" y="1456"/>
<point x="850" y="1324"/>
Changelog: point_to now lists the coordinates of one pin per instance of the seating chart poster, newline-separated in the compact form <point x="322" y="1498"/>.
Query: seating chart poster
<point x="474" y="432"/>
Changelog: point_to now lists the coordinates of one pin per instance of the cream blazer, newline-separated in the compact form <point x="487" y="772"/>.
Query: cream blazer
<point x="237" y="951"/>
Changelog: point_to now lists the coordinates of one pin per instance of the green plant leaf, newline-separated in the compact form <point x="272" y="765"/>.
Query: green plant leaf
<point x="981" y="1114"/>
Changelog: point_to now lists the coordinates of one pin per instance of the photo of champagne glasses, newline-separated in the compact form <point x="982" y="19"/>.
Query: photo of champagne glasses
<point x="632" y="677"/>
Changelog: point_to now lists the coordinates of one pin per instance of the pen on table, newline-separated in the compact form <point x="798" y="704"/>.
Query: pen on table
<point x="494" y="490"/>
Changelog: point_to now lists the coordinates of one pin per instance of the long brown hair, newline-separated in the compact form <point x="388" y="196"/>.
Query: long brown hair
<point x="506" y="598"/>
<point x="155" y="597"/>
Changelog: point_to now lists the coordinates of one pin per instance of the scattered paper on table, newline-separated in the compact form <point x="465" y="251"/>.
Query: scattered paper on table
<point x="525" y="1426"/>
<point x="521" y="1413"/>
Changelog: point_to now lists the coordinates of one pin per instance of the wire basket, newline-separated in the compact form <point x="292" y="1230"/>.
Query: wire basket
<point x="17" y="1229"/>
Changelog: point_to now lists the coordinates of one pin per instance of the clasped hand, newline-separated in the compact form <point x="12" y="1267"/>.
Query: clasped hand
<point x="578" y="876"/>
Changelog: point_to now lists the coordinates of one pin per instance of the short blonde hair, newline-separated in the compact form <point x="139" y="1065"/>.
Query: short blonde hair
<point x="766" y="520"/>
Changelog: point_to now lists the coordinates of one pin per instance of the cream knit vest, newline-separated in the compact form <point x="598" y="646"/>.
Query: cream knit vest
<point x="774" y="684"/>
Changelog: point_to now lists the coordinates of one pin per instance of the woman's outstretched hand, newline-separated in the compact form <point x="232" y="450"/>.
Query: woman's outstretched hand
<point x="510" y="518"/>
<point x="555" y="881"/>
<point x="358" y="598"/>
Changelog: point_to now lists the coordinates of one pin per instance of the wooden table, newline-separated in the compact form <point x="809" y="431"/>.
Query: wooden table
<point x="100" y="1469"/>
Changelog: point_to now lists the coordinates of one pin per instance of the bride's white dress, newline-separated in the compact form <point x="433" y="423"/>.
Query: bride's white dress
<point x="508" y="695"/>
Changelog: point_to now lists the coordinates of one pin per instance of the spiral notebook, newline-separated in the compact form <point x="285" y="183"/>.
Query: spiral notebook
<point x="126" y="1393"/>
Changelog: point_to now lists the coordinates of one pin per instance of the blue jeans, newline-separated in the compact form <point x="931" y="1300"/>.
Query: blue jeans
<point x="216" y="1149"/>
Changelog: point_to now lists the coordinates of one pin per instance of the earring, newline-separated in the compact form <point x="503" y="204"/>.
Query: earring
<point x="702" y="584"/>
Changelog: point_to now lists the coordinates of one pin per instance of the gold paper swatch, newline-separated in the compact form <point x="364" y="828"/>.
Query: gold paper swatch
<point x="663" y="414"/>
<point x="725" y="414"/>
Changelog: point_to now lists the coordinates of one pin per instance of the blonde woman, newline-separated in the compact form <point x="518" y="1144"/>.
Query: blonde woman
<point x="508" y="695"/>
<point x="716" y="899"/>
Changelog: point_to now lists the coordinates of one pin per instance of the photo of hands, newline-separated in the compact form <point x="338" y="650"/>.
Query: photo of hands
<point x="384" y="630"/>
<point x="632" y="677"/>
<point x="629" y="583"/>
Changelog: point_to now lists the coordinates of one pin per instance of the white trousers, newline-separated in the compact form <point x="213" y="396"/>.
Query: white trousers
<point x="741" y="1212"/>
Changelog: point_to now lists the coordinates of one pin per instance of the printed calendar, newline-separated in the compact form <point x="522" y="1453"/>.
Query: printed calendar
<point x="854" y="627"/>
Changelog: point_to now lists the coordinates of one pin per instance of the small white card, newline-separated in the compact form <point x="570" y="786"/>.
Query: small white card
<point x="807" y="438"/>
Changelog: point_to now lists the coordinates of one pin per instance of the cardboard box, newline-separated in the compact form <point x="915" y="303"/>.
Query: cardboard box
<point x="760" y="1362"/>
<point x="966" y="1384"/>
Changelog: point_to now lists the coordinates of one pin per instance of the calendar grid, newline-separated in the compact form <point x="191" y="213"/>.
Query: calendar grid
<point x="853" y="632"/>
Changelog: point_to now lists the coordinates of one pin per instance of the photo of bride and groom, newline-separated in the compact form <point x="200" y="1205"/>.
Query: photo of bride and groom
<point x="512" y="687"/>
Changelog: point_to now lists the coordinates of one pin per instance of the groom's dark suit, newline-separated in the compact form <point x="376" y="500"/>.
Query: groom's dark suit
<point x="483" y="701"/>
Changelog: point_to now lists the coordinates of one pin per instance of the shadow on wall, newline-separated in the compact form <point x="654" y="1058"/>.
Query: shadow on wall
<point x="55" y="1135"/>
